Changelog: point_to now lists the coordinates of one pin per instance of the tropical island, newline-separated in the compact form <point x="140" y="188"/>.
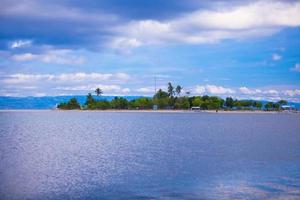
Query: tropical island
<point x="172" y="99"/>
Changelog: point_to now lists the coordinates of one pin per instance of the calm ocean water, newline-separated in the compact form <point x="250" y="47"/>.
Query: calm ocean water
<point x="97" y="155"/>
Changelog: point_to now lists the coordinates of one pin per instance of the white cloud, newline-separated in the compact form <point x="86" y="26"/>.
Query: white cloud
<point x="260" y="14"/>
<point x="81" y="76"/>
<point x="24" y="78"/>
<point x="40" y="94"/>
<point x="213" y="89"/>
<point x="65" y="83"/>
<point x="22" y="84"/>
<point x="126" y="90"/>
<point x="65" y="77"/>
<point x="276" y="57"/>
<point x="124" y="45"/>
<point x="296" y="68"/>
<point x="62" y="56"/>
<point x="145" y="90"/>
<point x="271" y="92"/>
<point x="20" y="43"/>
<point x="25" y="57"/>
<point x="104" y="87"/>
<point x="200" y="89"/>
<point x="245" y="90"/>
<point x="256" y="19"/>
<point x="292" y="93"/>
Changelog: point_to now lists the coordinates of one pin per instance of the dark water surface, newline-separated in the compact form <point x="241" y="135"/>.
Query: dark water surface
<point x="97" y="155"/>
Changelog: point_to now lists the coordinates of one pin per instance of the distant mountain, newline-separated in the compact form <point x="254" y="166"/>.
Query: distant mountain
<point x="296" y="105"/>
<point x="47" y="102"/>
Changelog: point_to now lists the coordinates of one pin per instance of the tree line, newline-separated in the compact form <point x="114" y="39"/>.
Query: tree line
<point x="170" y="99"/>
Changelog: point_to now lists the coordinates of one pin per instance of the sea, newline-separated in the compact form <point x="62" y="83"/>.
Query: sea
<point x="149" y="155"/>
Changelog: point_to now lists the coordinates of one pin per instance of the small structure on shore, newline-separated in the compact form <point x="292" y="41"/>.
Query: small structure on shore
<point x="287" y="108"/>
<point x="195" y="108"/>
<point x="55" y="107"/>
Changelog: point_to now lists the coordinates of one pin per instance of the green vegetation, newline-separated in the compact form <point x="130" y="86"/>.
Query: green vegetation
<point x="70" y="105"/>
<point x="171" y="99"/>
<point x="141" y="103"/>
<point x="271" y="106"/>
<point x="92" y="104"/>
<point x="207" y="103"/>
<point x="119" y="103"/>
<point x="182" y="103"/>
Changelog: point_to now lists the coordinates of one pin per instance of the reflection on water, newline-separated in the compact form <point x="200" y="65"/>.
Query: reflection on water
<point x="95" y="155"/>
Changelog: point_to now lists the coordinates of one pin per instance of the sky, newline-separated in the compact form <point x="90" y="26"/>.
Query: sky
<point x="244" y="49"/>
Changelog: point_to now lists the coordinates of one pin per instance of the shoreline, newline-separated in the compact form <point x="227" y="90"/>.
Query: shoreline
<point x="149" y="111"/>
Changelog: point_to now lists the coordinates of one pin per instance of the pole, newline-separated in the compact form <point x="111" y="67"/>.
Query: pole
<point x="154" y="84"/>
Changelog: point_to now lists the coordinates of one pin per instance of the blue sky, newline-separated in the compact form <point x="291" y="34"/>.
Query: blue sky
<point x="244" y="49"/>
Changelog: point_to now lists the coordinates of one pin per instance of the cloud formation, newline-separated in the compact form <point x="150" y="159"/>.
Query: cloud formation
<point x="272" y="94"/>
<point x="65" y="77"/>
<point x="247" y="91"/>
<point x="256" y="19"/>
<point x="62" y="56"/>
<point x="292" y="93"/>
<point x="119" y="84"/>
<point x="276" y="57"/>
<point x="95" y="27"/>
<point x="64" y="83"/>
<point x="213" y="89"/>
<point x="296" y="68"/>
<point x="109" y="89"/>
<point x="145" y="90"/>
<point x="20" y="43"/>
<point x="58" y="24"/>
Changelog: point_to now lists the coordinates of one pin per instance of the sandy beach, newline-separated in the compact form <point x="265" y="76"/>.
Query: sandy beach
<point x="148" y="111"/>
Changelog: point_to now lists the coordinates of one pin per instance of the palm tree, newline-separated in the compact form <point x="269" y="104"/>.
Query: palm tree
<point x="178" y="90"/>
<point x="98" y="91"/>
<point x="170" y="89"/>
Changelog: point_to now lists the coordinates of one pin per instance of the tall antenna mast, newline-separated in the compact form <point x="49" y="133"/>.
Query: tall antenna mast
<point x="154" y="84"/>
